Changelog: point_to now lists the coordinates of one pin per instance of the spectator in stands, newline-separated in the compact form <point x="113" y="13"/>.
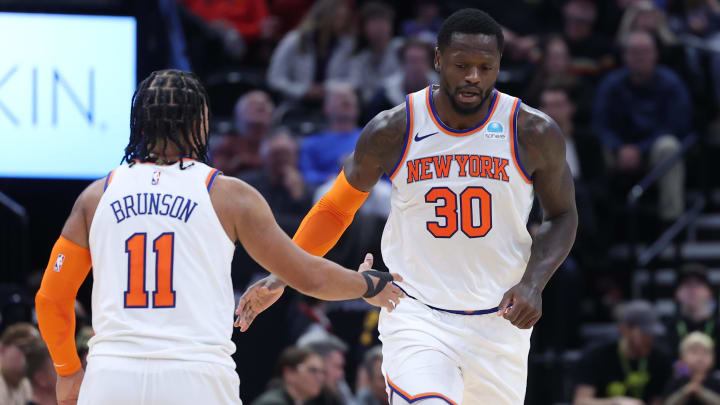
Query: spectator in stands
<point x="41" y="373"/>
<point x="321" y="154"/>
<point x="695" y="307"/>
<point x="226" y="153"/>
<point x="376" y="56"/>
<point x="590" y="51"/>
<point x="374" y="393"/>
<point x="629" y="371"/>
<point x="427" y="21"/>
<point x="416" y="73"/>
<point x="644" y="15"/>
<point x="582" y="150"/>
<point x="336" y="390"/>
<point x="301" y="373"/>
<point x="244" y="18"/>
<point x="697" y="22"/>
<point x="14" y="386"/>
<point x="318" y="51"/>
<point x="696" y="385"/>
<point x="555" y="69"/>
<point x="253" y="116"/>
<point x="280" y="181"/>
<point x="641" y="110"/>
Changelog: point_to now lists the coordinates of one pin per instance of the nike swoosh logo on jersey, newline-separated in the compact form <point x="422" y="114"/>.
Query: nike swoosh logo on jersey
<point x="420" y="138"/>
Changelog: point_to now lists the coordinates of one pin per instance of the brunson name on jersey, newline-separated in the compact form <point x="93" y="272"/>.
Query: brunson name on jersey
<point x="174" y="206"/>
<point x="463" y="165"/>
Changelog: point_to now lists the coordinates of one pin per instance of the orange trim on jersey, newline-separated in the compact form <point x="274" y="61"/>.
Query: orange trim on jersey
<point x="428" y="102"/>
<point x="412" y="398"/>
<point x="409" y="135"/>
<point x="210" y="178"/>
<point x="109" y="179"/>
<point x="513" y="141"/>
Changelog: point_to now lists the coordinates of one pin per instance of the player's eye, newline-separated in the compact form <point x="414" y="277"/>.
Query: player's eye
<point x="460" y="65"/>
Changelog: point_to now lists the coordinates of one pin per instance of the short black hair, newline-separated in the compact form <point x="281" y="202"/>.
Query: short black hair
<point x="469" y="21"/>
<point x="169" y="105"/>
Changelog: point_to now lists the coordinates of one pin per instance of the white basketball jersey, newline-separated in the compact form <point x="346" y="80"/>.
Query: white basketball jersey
<point x="459" y="208"/>
<point x="161" y="266"/>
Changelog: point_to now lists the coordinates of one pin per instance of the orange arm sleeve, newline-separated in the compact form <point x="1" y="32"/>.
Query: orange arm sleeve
<point x="55" y="302"/>
<point x="327" y="220"/>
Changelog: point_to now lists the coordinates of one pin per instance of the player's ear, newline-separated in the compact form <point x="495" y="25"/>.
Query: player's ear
<point x="436" y="62"/>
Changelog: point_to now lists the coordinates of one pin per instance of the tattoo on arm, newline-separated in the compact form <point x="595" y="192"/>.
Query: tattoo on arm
<point x="378" y="148"/>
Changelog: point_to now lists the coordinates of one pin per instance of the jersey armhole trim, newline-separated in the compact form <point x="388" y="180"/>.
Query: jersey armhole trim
<point x="109" y="179"/>
<point x="514" y="142"/>
<point x="211" y="178"/>
<point x="408" y="135"/>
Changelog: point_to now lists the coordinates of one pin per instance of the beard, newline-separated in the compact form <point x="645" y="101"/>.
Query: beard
<point x="463" y="110"/>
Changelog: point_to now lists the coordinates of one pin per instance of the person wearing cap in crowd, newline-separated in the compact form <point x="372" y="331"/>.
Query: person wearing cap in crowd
<point x="629" y="371"/>
<point x="694" y="296"/>
<point x="694" y="384"/>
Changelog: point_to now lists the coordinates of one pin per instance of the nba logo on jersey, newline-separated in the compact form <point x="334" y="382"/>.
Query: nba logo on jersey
<point x="494" y="131"/>
<point x="59" y="262"/>
<point x="156" y="177"/>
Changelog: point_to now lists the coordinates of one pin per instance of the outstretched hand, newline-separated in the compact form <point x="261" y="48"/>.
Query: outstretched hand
<point x="521" y="305"/>
<point x="259" y="297"/>
<point x="390" y="295"/>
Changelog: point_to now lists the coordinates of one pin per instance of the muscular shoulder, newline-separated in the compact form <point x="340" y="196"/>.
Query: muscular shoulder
<point x="381" y="141"/>
<point x="233" y="199"/>
<point x="540" y="139"/>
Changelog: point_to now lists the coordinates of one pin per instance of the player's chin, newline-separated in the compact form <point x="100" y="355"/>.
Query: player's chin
<point x="468" y="104"/>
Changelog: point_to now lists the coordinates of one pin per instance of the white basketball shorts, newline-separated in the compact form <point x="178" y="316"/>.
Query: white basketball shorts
<point x="458" y="359"/>
<point x="113" y="380"/>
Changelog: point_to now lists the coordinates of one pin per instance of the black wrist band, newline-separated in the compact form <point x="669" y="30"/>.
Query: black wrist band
<point x="383" y="279"/>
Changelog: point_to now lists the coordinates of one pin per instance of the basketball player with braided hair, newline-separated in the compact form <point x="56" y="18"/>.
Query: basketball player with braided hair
<point x="159" y="232"/>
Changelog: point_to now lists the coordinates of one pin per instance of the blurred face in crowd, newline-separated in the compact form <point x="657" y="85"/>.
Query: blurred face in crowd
<point x="378" y="30"/>
<point x="647" y="17"/>
<point x="46" y="377"/>
<point x="224" y="154"/>
<point x="468" y="67"/>
<point x="278" y="153"/>
<point x="693" y="296"/>
<point x="12" y="364"/>
<point x="557" y="57"/>
<point x="341" y="18"/>
<point x="253" y="114"/>
<point x="579" y="18"/>
<point x="341" y="104"/>
<point x="640" y="55"/>
<point x="377" y="382"/>
<point x="557" y="105"/>
<point x="638" y="343"/>
<point x="334" y="369"/>
<point x="698" y="357"/>
<point x="416" y="67"/>
<point x="307" y="378"/>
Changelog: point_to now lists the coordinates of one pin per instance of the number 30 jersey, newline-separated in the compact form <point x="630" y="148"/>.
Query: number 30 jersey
<point x="161" y="266"/>
<point x="459" y="208"/>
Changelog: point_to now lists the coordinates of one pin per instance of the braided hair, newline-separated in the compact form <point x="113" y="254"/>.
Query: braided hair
<point x="169" y="106"/>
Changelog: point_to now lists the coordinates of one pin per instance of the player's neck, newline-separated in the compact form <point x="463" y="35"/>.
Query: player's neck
<point x="452" y="118"/>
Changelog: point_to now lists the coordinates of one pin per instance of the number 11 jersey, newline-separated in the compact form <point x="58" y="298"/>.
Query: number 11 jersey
<point x="161" y="266"/>
<point x="459" y="207"/>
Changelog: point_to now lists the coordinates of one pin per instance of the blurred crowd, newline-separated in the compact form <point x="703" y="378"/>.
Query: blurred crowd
<point x="291" y="84"/>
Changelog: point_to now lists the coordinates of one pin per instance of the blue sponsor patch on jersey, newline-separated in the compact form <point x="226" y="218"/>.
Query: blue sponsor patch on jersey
<point x="495" y="127"/>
